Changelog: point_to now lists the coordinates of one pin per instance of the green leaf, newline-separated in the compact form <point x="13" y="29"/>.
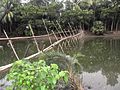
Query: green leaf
<point x="66" y="78"/>
<point x="54" y="81"/>
<point x="62" y="73"/>
<point x="55" y="66"/>
<point x="43" y="87"/>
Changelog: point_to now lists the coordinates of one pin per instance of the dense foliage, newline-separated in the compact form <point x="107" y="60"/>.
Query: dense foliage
<point x="15" y="15"/>
<point x="35" y="76"/>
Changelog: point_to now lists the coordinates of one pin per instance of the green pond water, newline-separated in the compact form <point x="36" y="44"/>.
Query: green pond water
<point x="100" y="61"/>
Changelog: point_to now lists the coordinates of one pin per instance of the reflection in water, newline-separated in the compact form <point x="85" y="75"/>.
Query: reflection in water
<point x="101" y="64"/>
<point x="97" y="81"/>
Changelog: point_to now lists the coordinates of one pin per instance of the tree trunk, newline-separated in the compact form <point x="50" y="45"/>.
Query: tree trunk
<point x="0" y="30"/>
<point x="112" y="25"/>
<point x="105" y="25"/>
<point x="117" y="24"/>
<point x="80" y="26"/>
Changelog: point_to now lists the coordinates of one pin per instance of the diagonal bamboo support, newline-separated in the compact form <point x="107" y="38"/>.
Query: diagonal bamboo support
<point x="47" y="31"/>
<point x="34" y="38"/>
<point x="57" y="40"/>
<point x="11" y="45"/>
<point x="63" y="32"/>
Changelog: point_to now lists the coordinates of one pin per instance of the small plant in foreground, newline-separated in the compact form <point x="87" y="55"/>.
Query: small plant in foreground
<point x="35" y="76"/>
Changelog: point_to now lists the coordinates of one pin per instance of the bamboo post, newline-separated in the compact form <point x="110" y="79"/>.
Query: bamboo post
<point x="76" y="30"/>
<point x="73" y="33"/>
<point x="61" y="28"/>
<point x="11" y="45"/>
<point x="34" y="37"/>
<point x="72" y="30"/>
<point x="62" y="31"/>
<point x="71" y="38"/>
<point x="63" y="44"/>
<point x="57" y="40"/>
<point x="26" y="51"/>
<point x="57" y="29"/>
<point x="68" y="40"/>
<point x="47" y="31"/>
<point x="43" y="47"/>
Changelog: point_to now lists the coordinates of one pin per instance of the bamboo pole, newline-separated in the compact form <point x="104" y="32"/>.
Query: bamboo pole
<point x="34" y="38"/>
<point x="57" y="40"/>
<point x="62" y="31"/>
<point x="11" y="45"/>
<point x="72" y="31"/>
<point x="47" y="31"/>
<point x="60" y="28"/>
<point x="57" y="29"/>
<point x="72" y="40"/>
<point x="26" y="51"/>
<point x="29" y="37"/>
<point x="60" y="34"/>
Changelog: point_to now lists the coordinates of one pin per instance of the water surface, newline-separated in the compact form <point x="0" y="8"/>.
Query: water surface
<point x="100" y="61"/>
<point x="101" y="64"/>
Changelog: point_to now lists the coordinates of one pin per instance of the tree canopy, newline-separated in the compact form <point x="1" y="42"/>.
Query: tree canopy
<point x="15" y="16"/>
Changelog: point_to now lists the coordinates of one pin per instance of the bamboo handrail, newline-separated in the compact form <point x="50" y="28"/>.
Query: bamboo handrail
<point x="29" y="37"/>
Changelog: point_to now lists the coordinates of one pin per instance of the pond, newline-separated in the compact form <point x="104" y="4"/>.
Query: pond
<point x="101" y="64"/>
<point x="100" y="61"/>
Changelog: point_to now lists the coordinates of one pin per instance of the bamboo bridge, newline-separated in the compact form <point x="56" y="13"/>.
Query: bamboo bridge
<point x="63" y="36"/>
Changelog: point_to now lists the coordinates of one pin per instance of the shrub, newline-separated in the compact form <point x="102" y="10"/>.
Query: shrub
<point x="98" y="28"/>
<point x="35" y="76"/>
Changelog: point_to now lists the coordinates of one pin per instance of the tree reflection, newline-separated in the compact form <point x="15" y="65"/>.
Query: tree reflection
<point x="102" y="54"/>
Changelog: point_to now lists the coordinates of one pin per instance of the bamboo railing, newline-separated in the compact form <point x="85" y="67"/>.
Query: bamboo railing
<point x="72" y="36"/>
